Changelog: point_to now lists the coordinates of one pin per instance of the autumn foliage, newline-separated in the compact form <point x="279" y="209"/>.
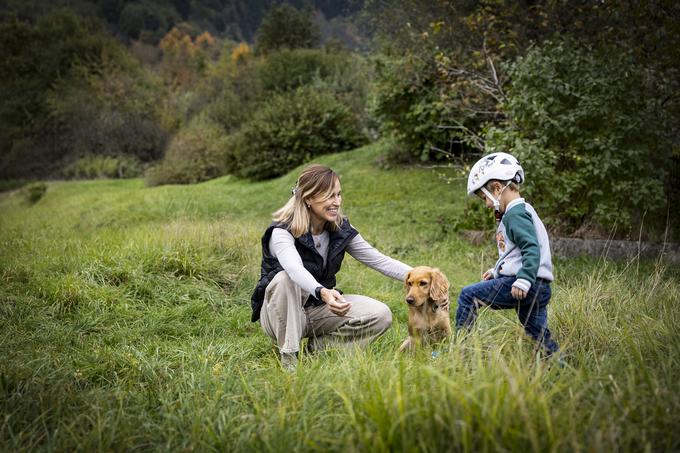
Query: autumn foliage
<point x="184" y="57"/>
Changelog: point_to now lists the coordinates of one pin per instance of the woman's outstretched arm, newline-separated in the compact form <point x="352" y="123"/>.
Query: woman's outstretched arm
<point x="365" y="253"/>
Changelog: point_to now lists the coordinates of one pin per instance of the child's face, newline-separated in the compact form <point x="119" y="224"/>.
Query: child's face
<point x="485" y="199"/>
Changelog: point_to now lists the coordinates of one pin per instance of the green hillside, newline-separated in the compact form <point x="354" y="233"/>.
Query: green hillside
<point x="125" y="324"/>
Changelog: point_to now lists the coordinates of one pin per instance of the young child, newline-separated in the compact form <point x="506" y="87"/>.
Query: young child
<point x="522" y="275"/>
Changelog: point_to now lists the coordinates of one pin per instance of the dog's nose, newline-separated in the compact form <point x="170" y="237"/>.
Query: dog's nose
<point x="410" y="300"/>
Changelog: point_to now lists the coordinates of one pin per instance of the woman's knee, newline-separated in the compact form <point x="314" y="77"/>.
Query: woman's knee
<point x="281" y="278"/>
<point x="375" y="316"/>
<point x="281" y="288"/>
<point x="383" y="317"/>
<point x="283" y="300"/>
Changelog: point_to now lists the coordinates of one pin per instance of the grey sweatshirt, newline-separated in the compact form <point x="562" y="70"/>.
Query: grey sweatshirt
<point x="523" y="246"/>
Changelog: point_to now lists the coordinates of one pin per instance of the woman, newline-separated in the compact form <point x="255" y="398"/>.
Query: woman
<point x="302" y="251"/>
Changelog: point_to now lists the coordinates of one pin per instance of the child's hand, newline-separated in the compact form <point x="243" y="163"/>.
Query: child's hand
<point x="517" y="293"/>
<point x="488" y="275"/>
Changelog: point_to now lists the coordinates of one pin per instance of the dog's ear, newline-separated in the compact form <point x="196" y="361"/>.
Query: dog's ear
<point x="408" y="275"/>
<point x="439" y="286"/>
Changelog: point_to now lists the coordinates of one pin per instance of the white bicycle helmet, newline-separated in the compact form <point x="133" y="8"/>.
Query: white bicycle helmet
<point x="500" y="166"/>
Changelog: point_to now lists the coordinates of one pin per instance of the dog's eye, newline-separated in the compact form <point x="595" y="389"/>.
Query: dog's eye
<point x="423" y="283"/>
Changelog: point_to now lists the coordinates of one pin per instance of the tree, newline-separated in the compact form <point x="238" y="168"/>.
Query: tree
<point x="35" y="58"/>
<point x="292" y="128"/>
<point x="587" y="124"/>
<point x="467" y="41"/>
<point x="286" y="27"/>
<point x="185" y="58"/>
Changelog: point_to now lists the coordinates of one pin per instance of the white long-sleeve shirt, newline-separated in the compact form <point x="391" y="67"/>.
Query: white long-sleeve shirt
<point x="282" y="246"/>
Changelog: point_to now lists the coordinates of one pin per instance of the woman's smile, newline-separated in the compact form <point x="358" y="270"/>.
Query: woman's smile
<point x="324" y="208"/>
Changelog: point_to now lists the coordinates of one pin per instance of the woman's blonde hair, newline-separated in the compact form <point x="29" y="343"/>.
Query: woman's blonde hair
<point x="314" y="181"/>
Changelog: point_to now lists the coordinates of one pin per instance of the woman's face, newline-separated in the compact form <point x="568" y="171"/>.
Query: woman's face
<point x="324" y="207"/>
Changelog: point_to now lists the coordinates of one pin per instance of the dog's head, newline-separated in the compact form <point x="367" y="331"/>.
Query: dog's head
<point x="425" y="283"/>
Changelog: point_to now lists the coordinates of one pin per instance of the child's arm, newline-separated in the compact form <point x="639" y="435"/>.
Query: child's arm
<point x="520" y="229"/>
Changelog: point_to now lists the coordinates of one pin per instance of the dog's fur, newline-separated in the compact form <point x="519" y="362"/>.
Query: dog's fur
<point x="427" y="289"/>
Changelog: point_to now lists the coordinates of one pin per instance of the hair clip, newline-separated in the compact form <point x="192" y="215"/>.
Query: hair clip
<point x="294" y="190"/>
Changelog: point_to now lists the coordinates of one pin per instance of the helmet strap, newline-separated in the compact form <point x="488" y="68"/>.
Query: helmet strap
<point x="496" y="201"/>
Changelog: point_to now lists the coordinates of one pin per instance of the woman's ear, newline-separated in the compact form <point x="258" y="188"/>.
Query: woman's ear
<point x="439" y="286"/>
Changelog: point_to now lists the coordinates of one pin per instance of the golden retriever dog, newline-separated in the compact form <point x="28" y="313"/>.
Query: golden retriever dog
<point x="427" y="289"/>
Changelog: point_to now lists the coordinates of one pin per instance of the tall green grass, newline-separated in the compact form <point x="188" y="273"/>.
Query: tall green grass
<point x="124" y="324"/>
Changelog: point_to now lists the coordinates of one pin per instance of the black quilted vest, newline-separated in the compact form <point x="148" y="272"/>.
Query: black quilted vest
<point x="311" y="260"/>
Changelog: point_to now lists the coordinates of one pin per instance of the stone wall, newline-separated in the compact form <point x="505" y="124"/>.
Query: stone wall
<point x="611" y="249"/>
<point x="615" y="249"/>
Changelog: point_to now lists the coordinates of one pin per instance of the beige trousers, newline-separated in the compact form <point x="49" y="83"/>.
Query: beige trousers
<point x="285" y="319"/>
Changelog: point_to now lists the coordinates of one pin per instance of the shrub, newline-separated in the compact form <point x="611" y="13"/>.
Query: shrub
<point x="292" y="128"/>
<point x="111" y="132"/>
<point x="11" y="184"/>
<point x="345" y="75"/>
<point x="408" y="103"/>
<point x="286" y="27"/>
<point x="36" y="57"/>
<point x="239" y="89"/>
<point x="476" y="216"/>
<point x="138" y="20"/>
<point x="585" y="123"/>
<point x="94" y="166"/>
<point x="350" y="82"/>
<point x="178" y="108"/>
<point x="108" y="110"/>
<point x="289" y="69"/>
<point x="34" y="191"/>
<point x="228" y="110"/>
<point x="197" y="153"/>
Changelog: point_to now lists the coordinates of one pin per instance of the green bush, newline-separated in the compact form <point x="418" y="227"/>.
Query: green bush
<point x="408" y="103"/>
<point x="11" y="184"/>
<point x="109" y="109"/>
<point x="350" y="82"/>
<point x="34" y="191"/>
<point x="197" y="153"/>
<point x="476" y="216"/>
<point x="285" y="27"/>
<point x="289" y="69"/>
<point x="345" y="75"/>
<point x="292" y="128"/>
<point x="229" y="109"/>
<point x="37" y="57"/>
<point x="94" y="166"/>
<point x="586" y="125"/>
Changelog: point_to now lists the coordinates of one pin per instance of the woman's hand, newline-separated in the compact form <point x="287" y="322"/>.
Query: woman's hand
<point x="488" y="275"/>
<point x="336" y="303"/>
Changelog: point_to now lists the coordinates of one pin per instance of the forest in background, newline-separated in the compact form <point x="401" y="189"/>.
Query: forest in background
<point x="149" y="20"/>
<point x="584" y="93"/>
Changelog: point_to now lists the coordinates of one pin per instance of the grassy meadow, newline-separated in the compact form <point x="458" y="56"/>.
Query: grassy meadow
<point x="125" y="325"/>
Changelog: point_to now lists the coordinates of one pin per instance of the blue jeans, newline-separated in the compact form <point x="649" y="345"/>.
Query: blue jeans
<point x="495" y="293"/>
